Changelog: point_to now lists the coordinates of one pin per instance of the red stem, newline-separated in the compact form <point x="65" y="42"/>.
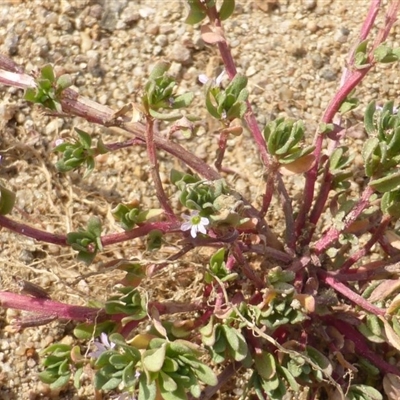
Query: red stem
<point x="362" y="349"/>
<point x="151" y="152"/>
<point x="349" y="294"/>
<point x="333" y="233"/>
<point x="367" y="247"/>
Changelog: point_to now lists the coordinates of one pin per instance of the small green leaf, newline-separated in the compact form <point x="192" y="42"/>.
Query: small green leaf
<point x="206" y="375"/>
<point x="63" y="82"/>
<point x="289" y="378"/>
<point x="77" y="378"/>
<point x="270" y="384"/>
<point x="196" y="12"/>
<point x="390" y="203"/>
<point x="94" y="226"/>
<point x="348" y="105"/>
<point x="265" y="365"/>
<point x="369" y="149"/>
<point x="167" y="383"/>
<point x="60" y="382"/>
<point x="184" y="100"/>
<point x="7" y="200"/>
<point x="388" y="183"/>
<point x="369" y="118"/>
<point x="47" y="72"/>
<point x="159" y="69"/>
<point x="227" y="9"/>
<point x="385" y="54"/>
<point x="368" y="391"/>
<point x="153" y="359"/>
<point x="84" y="138"/>
<point x="147" y="391"/>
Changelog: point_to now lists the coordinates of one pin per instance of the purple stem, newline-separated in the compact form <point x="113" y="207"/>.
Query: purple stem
<point x="74" y="104"/>
<point x="106" y="240"/>
<point x="333" y="233"/>
<point x="151" y="152"/>
<point x="230" y="68"/>
<point x="351" y="80"/>
<point x="34" y="233"/>
<point x="367" y="247"/>
<point x="246" y="268"/>
<point x="223" y="139"/>
<point x="49" y="307"/>
<point x="362" y="349"/>
<point x="349" y="294"/>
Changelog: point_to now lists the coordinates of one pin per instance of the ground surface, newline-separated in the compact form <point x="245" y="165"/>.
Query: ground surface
<point x="293" y="54"/>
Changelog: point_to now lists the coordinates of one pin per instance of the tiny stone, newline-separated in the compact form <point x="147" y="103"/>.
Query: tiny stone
<point x="51" y="18"/>
<point x="11" y="44"/>
<point x="162" y="40"/>
<point x="309" y="4"/>
<point x="31" y="363"/>
<point x="96" y="11"/>
<point x="86" y="42"/>
<point x="312" y="26"/>
<point x="181" y="54"/>
<point x="130" y="16"/>
<point x="251" y="71"/>
<point x="285" y="93"/>
<point x="328" y="75"/>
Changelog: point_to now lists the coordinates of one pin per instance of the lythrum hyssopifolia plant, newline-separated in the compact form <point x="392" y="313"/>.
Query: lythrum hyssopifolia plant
<point x="302" y="309"/>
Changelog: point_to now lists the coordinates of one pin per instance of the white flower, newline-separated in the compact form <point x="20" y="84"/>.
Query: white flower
<point x="102" y="346"/>
<point x="195" y="223"/>
<point x="217" y="82"/>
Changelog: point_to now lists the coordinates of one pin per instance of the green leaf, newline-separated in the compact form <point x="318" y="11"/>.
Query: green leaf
<point x="30" y="95"/>
<point x="159" y="70"/>
<point x="390" y="203"/>
<point x="265" y="365"/>
<point x="227" y="9"/>
<point x="165" y="116"/>
<point x="289" y="378"/>
<point x="322" y="361"/>
<point x="348" y="105"/>
<point x="154" y="240"/>
<point x="388" y="183"/>
<point x="369" y="149"/>
<point x="385" y="54"/>
<point x="63" y="82"/>
<point x="178" y="394"/>
<point x="211" y="108"/>
<point x="77" y="377"/>
<point x="184" y="100"/>
<point x="361" y="53"/>
<point x="236" y="342"/>
<point x="7" y="200"/>
<point x="270" y="384"/>
<point x="153" y="359"/>
<point x="370" y="392"/>
<point x="60" y="382"/>
<point x="196" y="12"/>
<point x="147" y="391"/>
<point x="84" y="138"/>
<point x="167" y="383"/>
<point x="94" y="226"/>
<point x="47" y="72"/>
<point x="206" y="375"/>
